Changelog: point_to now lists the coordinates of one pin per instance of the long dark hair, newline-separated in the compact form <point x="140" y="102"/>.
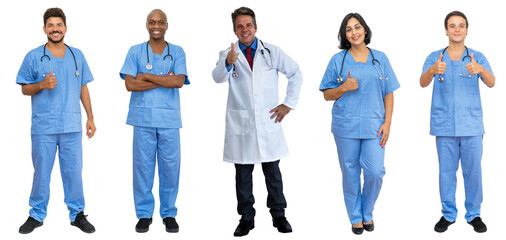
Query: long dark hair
<point x="343" y="42"/>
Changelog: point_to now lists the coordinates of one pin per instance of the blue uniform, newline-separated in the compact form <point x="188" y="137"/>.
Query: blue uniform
<point x="56" y="123"/>
<point x="457" y="122"/>
<point x="356" y="119"/>
<point x="156" y="117"/>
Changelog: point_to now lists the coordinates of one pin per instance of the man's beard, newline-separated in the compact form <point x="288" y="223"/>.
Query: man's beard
<point x="59" y="41"/>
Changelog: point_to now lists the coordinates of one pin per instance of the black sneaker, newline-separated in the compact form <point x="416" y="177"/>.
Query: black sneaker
<point x="143" y="225"/>
<point x="171" y="225"/>
<point x="442" y="225"/>
<point x="478" y="225"/>
<point x="82" y="223"/>
<point x="29" y="225"/>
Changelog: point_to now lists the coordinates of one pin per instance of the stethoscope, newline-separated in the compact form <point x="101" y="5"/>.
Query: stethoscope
<point x="49" y="60"/>
<point x="441" y="78"/>
<point x="374" y="61"/>
<point x="235" y="74"/>
<point x="149" y="66"/>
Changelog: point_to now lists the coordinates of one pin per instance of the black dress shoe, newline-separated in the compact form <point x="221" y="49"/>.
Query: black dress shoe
<point x="369" y="227"/>
<point x="29" y="225"/>
<point x="478" y="225"/>
<point x="244" y="227"/>
<point x="143" y="225"/>
<point x="282" y="225"/>
<point x="442" y="225"/>
<point x="357" y="231"/>
<point x="171" y="225"/>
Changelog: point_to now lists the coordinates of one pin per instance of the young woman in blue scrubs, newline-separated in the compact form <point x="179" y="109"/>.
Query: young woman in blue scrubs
<point x="457" y="119"/>
<point x="361" y="116"/>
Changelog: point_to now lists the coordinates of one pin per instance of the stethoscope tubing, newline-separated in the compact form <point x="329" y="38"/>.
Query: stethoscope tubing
<point x="49" y="59"/>
<point x="374" y="61"/>
<point x="235" y="74"/>
<point x="149" y="66"/>
<point x="441" y="78"/>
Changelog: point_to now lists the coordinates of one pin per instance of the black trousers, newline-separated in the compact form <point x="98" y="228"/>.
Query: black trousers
<point x="244" y="189"/>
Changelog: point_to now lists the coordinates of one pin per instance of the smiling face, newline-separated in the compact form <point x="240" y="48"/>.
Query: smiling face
<point x="55" y="29"/>
<point x="157" y="25"/>
<point x="456" y="29"/>
<point x="245" y="29"/>
<point x="355" y="32"/>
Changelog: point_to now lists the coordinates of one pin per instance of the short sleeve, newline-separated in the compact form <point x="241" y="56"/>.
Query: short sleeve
<point x="329" y="79"/>
<point x="482" y="60"/>
<point x="180" y="64"/>
<point x="86" y="75"/>
<point x="429" y="61"/>
<point x="130" y="64"/>
<point x="25" y="74"/>
<point x="391" y="83"/>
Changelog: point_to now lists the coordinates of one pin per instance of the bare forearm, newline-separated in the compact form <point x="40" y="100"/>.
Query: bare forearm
<point x="86" y="100"/>
<point x="31" y="89"/>
<point x="426" y="78"/>
<point x="333" y="94"/>
<point x="168" y="81"/>
<point x="488" y="78"/>
<point x="132" y="84"/>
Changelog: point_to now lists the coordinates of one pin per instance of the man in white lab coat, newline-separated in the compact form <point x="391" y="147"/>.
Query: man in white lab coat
<point x="253" y="119"/>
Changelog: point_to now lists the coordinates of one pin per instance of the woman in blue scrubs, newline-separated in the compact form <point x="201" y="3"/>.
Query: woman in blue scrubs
<point x="457" y="119"/>
<point x="361" y="116"/>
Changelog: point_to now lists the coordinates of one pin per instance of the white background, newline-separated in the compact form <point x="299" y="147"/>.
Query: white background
<point x="407" y="31"/>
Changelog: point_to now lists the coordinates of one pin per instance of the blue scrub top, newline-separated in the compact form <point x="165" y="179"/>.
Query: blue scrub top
<point x="158" y="107"/>
<point x="359" y="113"/>
<point x="56" y="110"/>
<point x="456" y="102"/>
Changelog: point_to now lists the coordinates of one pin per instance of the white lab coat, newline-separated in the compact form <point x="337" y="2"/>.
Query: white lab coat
<point x="250" y="135"/>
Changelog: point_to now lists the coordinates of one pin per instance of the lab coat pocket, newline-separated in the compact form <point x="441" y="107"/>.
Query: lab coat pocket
<point x="270" y="78"/>
<point x="238" y="122"/>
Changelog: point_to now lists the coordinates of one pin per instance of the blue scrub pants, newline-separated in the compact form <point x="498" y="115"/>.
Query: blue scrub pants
<point x="150" y="145"/>
<point x="355" y="156"/>
<point x="70" y="155"/>
<point x="469" y="151"/>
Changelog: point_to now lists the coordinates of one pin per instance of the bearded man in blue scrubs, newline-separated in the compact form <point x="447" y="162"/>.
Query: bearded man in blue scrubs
<point x="154" y="71"/>
<point x="55" y="76"/>
<point x="457" y="119"/>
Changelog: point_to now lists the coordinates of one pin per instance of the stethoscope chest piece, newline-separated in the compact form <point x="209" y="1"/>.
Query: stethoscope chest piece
<point x="441" y="78"/>
<point x="235" y="74"/>
<point x="77" y="73"/>
<point x="149" y="66"/>
<point x="339" y="80"/>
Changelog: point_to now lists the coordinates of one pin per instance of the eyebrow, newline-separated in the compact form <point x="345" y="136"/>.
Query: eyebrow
<point x="353" y="25"/>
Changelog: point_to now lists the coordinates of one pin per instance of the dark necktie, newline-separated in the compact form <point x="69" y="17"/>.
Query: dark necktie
<point x="249" y="57"/>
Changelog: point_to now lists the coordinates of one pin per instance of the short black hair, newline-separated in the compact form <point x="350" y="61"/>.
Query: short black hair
<point x="54" y="12"/>
<point x="343" y="42"/>
<point x="243" y="11"/>
<point x="455" y="13"/>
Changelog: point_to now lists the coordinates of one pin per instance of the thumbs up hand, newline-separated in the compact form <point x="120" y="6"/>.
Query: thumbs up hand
<point x="232" y="55"/>
<point x="351" y="84"/>
<point x="473" y="67"/>
<point x="49" y="81"/>
<point x="439" y="67"/>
